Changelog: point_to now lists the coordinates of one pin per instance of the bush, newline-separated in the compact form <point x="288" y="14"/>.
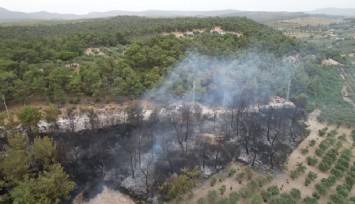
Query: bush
<point x="316" y="195"/>
<point x="322" y="131"/>
<point x="321" y="188"/>
<point x="240" y="177"/>
<point x="274" y="190"/>
<point x="353" y="136"/>
<point x="342" y="138"/>
<point x="233" y="197"/>
<point x="324" y="166"/>
<point x="298" y="171"/>
<point x="324" y="144"/>
<point x="336" y="198"/>
<point x="201" y="201"/>
<point x="337" y="173"/>
<point x="266" y="195"/>
<point x="212" y="196"/>
<point x="312" y="161"/>
<point x="295" y="193"/>
<point x="222" y="189"/>
<point x="256" y="200"/>
<point x="223" y="201"/>
<point x="310" y="200"/>
<point x="312" y="143"/>
<point x="343" y="190"/>
<point x="231" y="172"/>
<point x="310" y="177"/>
<point x="180" y="184"/>
<point x="349" y="181"/>
<point x="213" y="181"/>
<point x="319" y="152"/>
<point x="262" y="180"/>
<point x="283" y="199"/>
<point x="304" y="151"/>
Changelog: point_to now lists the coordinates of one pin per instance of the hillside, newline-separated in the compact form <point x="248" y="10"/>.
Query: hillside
<point x="348" y="12"/>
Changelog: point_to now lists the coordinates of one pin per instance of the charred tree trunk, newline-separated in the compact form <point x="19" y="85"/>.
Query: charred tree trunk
<point x="272" y="160"/>
<point x="204" y="154"/>
<point x="252" y="164"/>
<point x="292" y="135"/>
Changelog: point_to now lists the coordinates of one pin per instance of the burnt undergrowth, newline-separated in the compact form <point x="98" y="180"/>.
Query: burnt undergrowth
<point x="138" y="156"/>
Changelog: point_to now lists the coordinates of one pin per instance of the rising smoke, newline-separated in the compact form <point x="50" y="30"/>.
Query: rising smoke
<point x="253" y="75"/>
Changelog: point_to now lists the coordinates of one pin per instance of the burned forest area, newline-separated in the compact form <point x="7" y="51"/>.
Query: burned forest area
<point x="138" y="156"/>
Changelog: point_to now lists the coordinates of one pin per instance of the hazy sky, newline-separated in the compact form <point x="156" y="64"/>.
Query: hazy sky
<point x="85" y="6"/>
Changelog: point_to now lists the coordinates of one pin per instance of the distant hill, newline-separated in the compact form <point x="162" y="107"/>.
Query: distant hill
<point x="335" y="11"/>
<point x="13" y="16"/>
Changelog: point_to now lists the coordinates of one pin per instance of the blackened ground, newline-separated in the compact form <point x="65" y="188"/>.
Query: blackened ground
<point x="137" y="159"/>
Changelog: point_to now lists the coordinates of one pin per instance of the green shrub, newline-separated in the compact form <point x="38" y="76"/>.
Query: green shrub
<point x="283" y="199"/>
<point x="337" y="173"/>
<point x="201" y="201"/>
<point x="233" y="197"/>
<point x="240" y="177"/>
<point x="343" y="190"/>
<point x="213" y="181"/>
<point x="298" y="171"/>
<point x="310" y="177"/>
<point x="295" y="193"/>
<point x="353" y="136"/>
<point x="324" y="144"/>
<point x="319" y="152"/>
<point x="256" y="200"/>
<point x="312" y="143"/>
<point x="231" y="172"/>
<point x="322" y="131"/>
<point x="180" y="184"/>
<point x="312" y="161"/>
<point x="266" y="195"/>
<point x="274" y="190"/>
<point x="245" y="193"/>
<point x="223" y="201"/>
<point x="212" y="196"/>
<point x="342" y="138"/>
<point x="304" y="151"/>
<point x="316" y="195"/>
<point x="336" y="198"/>
<point x="321" y="188"/>
<point x="349" y="181"/>
<point x="310" y="200"/>
<point x="222" y="189"/>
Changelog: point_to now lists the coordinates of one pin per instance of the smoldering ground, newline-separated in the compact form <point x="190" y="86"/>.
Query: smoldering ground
<point x="231" y="120"/>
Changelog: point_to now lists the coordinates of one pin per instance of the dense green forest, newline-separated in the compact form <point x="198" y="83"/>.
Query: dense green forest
<point x="35" y="60"/>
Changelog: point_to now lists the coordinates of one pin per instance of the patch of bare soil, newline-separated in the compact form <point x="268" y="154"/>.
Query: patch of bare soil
<point x="345" y="94"/>
<point x="330" y="62"/>
<point x="94" y="51"/>
<point x="107" y="196"/>
<point x="217" y="29"/>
